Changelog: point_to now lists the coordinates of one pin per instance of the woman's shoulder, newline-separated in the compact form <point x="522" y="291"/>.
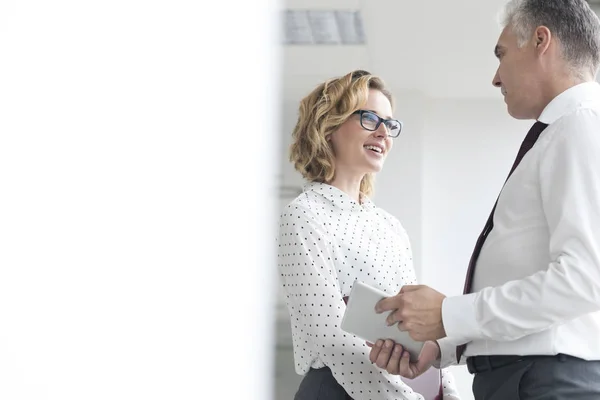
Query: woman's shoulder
<point x="308" y="201"/>
<point x="392" y="220"/>
<point x="387" y="216"/>
<point x="304" y="207"/>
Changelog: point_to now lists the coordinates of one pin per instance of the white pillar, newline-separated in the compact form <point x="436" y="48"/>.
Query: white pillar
<point x="137" y="182"/>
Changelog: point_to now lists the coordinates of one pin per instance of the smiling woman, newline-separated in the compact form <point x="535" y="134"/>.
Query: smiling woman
<point x="332" y="234"/>
<point x="329" y="138"/>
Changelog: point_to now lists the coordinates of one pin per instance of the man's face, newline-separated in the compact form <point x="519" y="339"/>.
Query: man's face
<point x="518" y="76"/>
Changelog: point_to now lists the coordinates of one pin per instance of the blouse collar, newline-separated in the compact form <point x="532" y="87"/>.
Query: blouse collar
<point x="338" y="197"/>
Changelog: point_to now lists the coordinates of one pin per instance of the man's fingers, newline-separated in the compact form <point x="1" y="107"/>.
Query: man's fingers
<point x="384" y="354"/>
<point x="402" y="326"/>
<point x="388" y="304"/>
<point x="393" y="318"/>
<point x="410" y="288"/>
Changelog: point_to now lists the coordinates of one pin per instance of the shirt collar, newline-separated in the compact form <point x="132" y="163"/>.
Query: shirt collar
<point x="338" y="197"/>
<point x="569" y="100"/>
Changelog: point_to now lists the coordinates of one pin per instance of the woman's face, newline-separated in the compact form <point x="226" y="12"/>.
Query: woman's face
<point x="357" y="150"/>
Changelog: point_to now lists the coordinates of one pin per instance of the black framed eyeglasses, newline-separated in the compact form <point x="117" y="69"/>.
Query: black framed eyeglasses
<point x="371" y="122"/>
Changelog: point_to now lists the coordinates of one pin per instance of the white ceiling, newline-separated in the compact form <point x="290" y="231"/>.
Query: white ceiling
<point x="441" y="48"/>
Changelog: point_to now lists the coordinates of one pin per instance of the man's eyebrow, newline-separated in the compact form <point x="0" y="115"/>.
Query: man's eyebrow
<point x="498" y="50"/>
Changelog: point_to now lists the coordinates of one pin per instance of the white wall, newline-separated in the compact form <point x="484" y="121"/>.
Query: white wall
<point x="399" y="187"/>
<point x="132" y="247"/>
<point x="468" y="149"/>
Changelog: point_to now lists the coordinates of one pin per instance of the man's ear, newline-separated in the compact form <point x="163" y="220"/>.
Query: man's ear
<point x="542" y="37"/>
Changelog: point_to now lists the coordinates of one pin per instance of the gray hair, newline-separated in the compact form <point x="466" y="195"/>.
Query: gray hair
<point x="573" y="22"/>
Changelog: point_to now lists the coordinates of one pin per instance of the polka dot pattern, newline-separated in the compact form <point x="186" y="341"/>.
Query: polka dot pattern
<point x="327" y="241"/>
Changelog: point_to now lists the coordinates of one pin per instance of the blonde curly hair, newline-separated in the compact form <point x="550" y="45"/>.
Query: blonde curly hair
<point x="320" y="114"/>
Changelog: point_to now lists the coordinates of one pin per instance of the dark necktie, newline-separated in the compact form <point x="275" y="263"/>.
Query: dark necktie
<point x="528" y="142"/>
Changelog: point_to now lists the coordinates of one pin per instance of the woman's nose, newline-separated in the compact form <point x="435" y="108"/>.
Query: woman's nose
<point x="381" y="131"/>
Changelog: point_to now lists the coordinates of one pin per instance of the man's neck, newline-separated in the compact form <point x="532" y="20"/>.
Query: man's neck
<point x="560" y="84"/>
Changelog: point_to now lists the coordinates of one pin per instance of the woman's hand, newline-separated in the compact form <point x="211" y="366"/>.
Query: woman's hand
<point x="392" y="357"/>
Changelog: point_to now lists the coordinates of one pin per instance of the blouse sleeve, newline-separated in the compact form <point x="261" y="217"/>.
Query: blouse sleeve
<point x="449" y="386"/>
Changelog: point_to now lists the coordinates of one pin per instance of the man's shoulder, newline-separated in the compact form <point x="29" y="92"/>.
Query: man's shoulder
<point x="576" y="132"/>
<point x="582" y="121"/>
<point x="587" y="111"/>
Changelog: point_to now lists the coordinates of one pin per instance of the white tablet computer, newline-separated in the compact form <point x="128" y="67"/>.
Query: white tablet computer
<point x="360" y="319"/>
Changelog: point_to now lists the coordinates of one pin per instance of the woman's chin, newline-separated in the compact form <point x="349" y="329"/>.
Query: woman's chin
<point x="375" y="169"/>
<point x="376" y="165"/>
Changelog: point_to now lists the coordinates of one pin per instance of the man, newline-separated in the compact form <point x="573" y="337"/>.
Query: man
<point x="530" y="315"/>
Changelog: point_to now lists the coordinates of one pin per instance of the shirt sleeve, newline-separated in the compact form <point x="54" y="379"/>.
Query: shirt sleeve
<point x="569" y="176"/>
<point x="447" y="353"/>
<point x="316" y="306"/>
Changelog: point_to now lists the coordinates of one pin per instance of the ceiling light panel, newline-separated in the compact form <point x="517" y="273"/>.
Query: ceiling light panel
<point x="323" y="27"/>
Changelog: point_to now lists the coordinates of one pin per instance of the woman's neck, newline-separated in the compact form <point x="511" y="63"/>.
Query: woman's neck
<point x="349" y="185"/>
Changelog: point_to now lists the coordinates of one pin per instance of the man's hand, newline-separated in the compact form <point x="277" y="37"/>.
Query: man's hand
<point x="418" y="311"/>
<point x="393" y="359"/>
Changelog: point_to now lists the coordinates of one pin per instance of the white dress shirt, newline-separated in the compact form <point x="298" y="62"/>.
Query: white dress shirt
<point x="327" y="241"/>
<point x="536" y="288"/>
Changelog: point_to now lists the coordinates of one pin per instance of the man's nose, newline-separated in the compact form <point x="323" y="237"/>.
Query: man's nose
<point x="496" y="81"/>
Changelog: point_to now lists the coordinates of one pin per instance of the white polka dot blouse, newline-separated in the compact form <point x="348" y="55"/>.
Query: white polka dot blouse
<point x="327" y="241"/>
